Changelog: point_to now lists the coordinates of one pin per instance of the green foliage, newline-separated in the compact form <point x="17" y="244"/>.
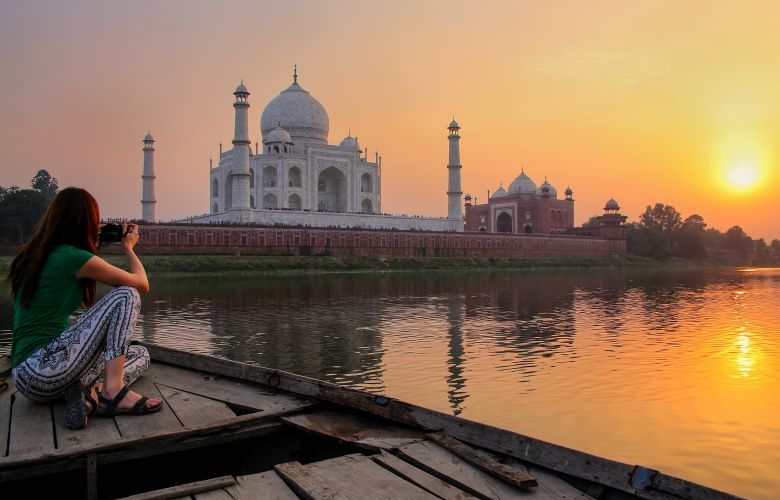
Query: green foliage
<point x="45" y="184"/>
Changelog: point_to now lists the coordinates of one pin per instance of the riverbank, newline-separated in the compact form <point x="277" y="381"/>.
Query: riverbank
<point x="230" y="264"/>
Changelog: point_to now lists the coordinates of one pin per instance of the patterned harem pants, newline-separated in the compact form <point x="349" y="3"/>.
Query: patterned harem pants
<point x="101" y="333"/>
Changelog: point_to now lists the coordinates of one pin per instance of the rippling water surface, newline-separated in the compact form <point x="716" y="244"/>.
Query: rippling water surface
<point x="674" y="370"/>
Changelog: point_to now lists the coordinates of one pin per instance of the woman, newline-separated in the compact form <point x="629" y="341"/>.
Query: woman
<point x="52" y="275"/>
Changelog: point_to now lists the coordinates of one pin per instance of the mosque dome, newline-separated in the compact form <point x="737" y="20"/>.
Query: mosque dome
<point x="241" y="89"/>
<point x="545" y="184"/>
<point x="350" y="142"/>
<point x="612" y="205"/>
<point x="148" y="137"/>
<point x="569" y="191"/>
<point x="454" y="124"/>
<point x="278" y="134"/>
<point x="500" y="192"/>
<point x="522" y="184"/>
<point x="295" y="110"/>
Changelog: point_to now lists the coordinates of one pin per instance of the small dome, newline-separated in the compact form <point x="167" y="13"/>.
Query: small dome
<point x="467" y="197"/>
<point x="545" y="184"/>
<point x="241" y="89"/>
<point x="350" y="142"/>
<point x="453" y="124"/>
<point x="612" y="205"/>
<point x="522" y="184"/>
<point x="569" y="191"/>
<point x="148" y="137"/>
<point x="278" y="135"/>
<point x="500" y="192"/>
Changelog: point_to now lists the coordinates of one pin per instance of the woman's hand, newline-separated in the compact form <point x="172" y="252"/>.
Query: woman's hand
<point x="131" y="235"/>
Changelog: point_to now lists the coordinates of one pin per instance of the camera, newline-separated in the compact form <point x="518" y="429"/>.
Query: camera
<point x="111" y="233"/>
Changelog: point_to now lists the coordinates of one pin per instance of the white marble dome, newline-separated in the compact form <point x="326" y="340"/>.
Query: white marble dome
<point x="498" y="193"/>
<point x="553" y="191"/>
<point x="350" y="142"/>
<point x="278" y="134"/>
<point x="522" y="184"/>
<point x="296" y="111"/>
<point x="612" y="205"/>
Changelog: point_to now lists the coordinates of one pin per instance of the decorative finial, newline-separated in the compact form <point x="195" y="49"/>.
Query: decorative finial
<point x="349" y="132"/>
<point x="295" y="73"/>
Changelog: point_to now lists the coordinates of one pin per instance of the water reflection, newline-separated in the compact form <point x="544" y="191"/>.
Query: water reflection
<point x="676" y="370"/>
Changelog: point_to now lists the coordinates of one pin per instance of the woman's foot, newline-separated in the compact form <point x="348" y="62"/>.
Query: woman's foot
<point x="75" y="414"/>
<point x="128" y="402"/>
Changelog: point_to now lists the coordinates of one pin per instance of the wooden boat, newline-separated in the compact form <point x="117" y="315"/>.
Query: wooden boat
<point x="231" y="430"/>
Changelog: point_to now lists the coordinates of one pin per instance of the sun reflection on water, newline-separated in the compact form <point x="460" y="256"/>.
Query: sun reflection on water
<point x="745" y="360"/>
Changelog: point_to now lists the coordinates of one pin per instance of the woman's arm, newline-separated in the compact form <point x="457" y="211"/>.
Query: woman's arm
<point x="99" y="270"/>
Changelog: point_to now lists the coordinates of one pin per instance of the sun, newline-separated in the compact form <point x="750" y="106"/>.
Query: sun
<point x="742" y="176"/>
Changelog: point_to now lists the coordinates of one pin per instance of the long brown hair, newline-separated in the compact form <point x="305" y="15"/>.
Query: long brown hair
<point x="73" y="218"/>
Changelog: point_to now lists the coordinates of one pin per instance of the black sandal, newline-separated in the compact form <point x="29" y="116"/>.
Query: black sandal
<point x="75" y="414"/>
<point x="110" y="407"/>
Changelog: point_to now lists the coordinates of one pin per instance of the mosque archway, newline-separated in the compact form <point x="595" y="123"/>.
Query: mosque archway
<point x="251" y="179"/>
<point x="504" y="223"/>
<point x="367" y="207"/>
<point x="269" y="177"/>
<point x="294" y="202"/>
<point x="366" y="185"/>
<point x="332" y="190"/>
<point x="269" y="201"/>
<point x="252" y="201"/>
<point x="294" y="177"/>
<point x="214" y="188"/>
<point x="528" y="229"/>
<point x="215" y="208"/>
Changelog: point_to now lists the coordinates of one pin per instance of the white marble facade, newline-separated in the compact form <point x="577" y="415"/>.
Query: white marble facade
<point x="295" y="169"/>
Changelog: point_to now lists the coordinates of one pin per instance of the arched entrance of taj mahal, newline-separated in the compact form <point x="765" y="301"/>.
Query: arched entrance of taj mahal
<point x="332" y="190"/>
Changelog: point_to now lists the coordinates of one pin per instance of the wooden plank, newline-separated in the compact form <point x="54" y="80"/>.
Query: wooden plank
<point x="356" y="429"/>
<point x="263" y="486"/>
<point x="351" y="477"/>
<point x="241" y="394"/>
<point x="183" y="490"/>
<point x="99" y="430"/>
<point x="193" y="410"/>
<point x="516" y="475"/>
<point x="142" y="425"/>
<point x="213" y="495"/>
<point x="558" y="458"/>
<point x="6" y="398"/>
<point x="31" y="428"/>
<point x="421" y="478"/>
<point x="559" y="487"/>
<point x="435" y="460"/>
<point x="242" y="427"/>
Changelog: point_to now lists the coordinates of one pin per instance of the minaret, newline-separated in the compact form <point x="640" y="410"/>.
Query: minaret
<point x="454" y="192"/>
<point x="147" y="196"/>
<point x="241" y="151"/>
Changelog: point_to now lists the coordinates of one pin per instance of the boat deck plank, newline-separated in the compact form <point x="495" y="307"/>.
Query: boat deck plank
<point x="219" y="494"/>
<point x="263" y="486"/>
<point x="5" y="415"/>
<point x="162" y="420"/>
<point x="355" y="429"/>
<point x="31" y="428"/>
<point x="233" y="392"/>
<point x="436" y="460"/>
<point x="351" y="477"/>
<point x="193" y="410"/>
<point x="99" y="430"/>
<point x="421" y="478"/>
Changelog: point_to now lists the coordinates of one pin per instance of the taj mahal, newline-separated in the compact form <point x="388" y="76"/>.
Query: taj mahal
<point x="297" y="178"/>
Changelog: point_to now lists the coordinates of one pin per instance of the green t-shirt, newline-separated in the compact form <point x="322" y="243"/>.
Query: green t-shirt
<point x="59" y="294"/>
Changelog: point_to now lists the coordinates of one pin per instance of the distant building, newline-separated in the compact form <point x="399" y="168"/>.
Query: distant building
<point x="523" y="208"/>
<point x="610" y="226"/>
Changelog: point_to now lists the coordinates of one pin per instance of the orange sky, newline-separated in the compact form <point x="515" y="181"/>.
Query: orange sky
<point x="643" y="101"/>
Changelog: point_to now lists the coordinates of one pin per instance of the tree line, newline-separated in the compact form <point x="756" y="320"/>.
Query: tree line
<point x="21" y="209"/>
<point x="662" y="234"/>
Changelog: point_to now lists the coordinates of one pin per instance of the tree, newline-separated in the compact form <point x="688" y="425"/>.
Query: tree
<point x="594" y="221"/>
<point x="659" y="223"/>
<point x="689" y="240"/>
<point x="736" y="239"/>
<point x="45" y="184"/>
<point x="20" y="211"/>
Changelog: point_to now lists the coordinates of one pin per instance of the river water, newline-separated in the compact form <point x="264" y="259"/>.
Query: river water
<point x="674" y="370"/>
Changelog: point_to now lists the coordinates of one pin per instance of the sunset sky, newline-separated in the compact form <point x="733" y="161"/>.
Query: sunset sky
<point x="673" y="102"/>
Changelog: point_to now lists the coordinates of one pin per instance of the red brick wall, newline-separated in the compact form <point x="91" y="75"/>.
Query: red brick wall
<point x="215" y="239"/>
